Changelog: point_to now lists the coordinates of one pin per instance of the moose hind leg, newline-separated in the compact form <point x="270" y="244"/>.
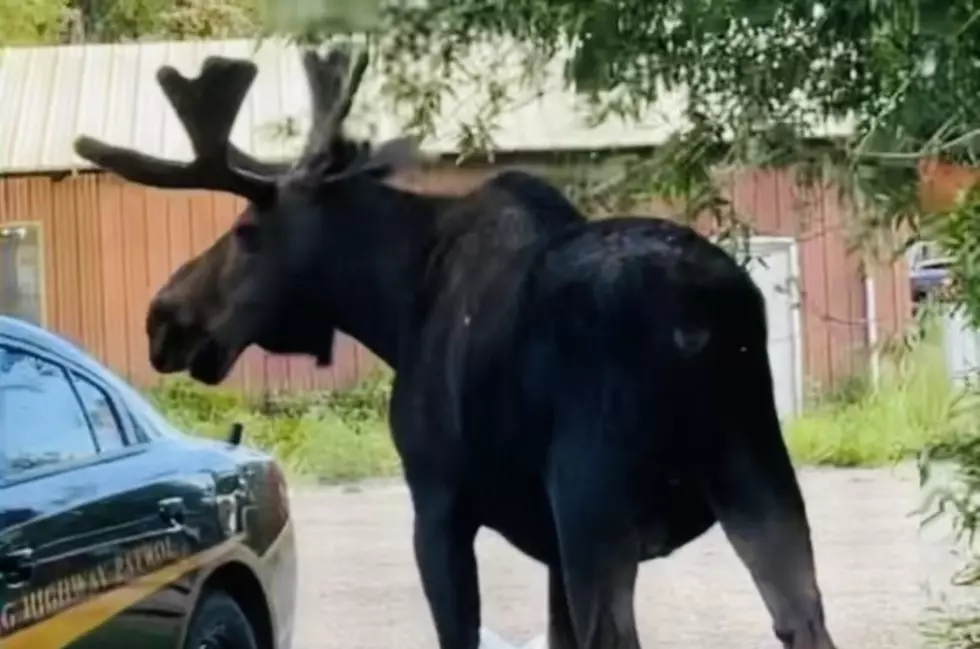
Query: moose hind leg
<point x="443" y="539"/>
<point x="753" y="489"/>
<point x="598" y="546"/>
<point x="561" y="633"/>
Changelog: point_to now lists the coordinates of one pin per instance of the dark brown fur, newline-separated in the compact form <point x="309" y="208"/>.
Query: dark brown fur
<point x="598" y="392"/>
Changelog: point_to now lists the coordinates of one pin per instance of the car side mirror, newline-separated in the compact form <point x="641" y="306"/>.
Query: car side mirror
<point x="235" y="434"/>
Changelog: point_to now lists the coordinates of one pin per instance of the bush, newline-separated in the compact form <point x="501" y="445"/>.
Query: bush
<point x="950" y="472"/>
<point x="954" y="622"/>
<point x="329" y="436"/>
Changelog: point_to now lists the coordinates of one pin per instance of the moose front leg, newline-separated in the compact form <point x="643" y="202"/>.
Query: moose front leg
<point x="443" y="539"/>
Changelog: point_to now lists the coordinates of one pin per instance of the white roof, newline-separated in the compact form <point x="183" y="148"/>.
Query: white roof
<point x="49" y="95"/>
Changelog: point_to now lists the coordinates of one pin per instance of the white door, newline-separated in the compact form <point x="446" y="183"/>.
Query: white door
<point x="774" y="268"/>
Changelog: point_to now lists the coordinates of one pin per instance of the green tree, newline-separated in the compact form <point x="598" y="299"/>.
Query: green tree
<point x="42" y="22"/>
<point x="31" y="21"/>
<point x="114" y="20"/>
<point x="761" y="77"/>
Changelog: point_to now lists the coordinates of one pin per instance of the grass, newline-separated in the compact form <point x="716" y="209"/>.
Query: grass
<point x="914" y="406"/>
<point x="330" y="437"/>
<point x="343" y="436"/>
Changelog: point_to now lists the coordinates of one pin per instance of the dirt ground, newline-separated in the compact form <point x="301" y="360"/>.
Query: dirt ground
<point x="359" y="588"/>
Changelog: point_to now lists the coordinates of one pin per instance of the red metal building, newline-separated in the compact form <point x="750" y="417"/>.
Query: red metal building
<point x="82" y="251"/>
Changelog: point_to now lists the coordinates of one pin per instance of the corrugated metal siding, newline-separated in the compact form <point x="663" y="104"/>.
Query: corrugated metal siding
<point x="831" y="288"/>
<point x="893" y="298"/>
<point x="832" y="284"/>
<point x="101" y="273"/>
<point x="49" y="95"/>
<point x="72" y="282"/>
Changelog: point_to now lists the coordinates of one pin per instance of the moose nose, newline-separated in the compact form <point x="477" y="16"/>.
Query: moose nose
<point x="159" y="315"/>
<point x="163" y="330"/>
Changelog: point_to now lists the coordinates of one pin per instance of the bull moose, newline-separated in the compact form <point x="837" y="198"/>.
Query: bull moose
<point x="597" y="391"/>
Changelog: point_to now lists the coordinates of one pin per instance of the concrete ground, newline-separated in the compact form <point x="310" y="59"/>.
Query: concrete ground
<point x="359" y="588"/>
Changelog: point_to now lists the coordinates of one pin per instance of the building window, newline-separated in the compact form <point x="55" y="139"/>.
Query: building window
<point x="20" y="272"/>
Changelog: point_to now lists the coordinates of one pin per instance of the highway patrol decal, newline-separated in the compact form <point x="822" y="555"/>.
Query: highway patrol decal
<point x="65" y="592"/>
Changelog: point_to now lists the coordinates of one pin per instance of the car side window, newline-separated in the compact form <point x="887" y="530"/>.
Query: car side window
<point x="41" y="420"/>
<point x="101" y="413"/>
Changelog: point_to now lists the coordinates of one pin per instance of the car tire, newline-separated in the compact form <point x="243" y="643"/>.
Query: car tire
<point x="219" y="623"/>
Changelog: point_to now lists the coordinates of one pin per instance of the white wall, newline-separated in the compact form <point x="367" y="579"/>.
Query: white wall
<point x="961" y="345"/>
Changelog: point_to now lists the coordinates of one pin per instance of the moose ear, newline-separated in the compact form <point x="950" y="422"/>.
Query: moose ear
<point x="691" y="341"/>
<point x="394" y="155"/>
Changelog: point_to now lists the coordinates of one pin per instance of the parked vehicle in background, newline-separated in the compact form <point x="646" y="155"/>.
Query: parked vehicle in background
<point x="928" y="266"/>
<point x="928" y="277"/>
<point x="119" y="531"/>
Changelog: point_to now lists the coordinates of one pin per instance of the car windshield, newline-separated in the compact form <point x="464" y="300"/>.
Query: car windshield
<point x="933" y="264"/>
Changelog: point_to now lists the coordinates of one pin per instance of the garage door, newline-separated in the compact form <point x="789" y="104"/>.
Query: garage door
<point x="774" y="267"/>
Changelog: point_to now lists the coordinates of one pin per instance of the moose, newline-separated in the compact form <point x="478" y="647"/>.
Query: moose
<point x="598" y="391"/>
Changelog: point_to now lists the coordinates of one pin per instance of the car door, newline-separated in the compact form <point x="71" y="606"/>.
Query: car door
<point x="91" y="515"/>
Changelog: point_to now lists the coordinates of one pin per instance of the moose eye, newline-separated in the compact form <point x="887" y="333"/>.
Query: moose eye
<point x="248" y="236"/>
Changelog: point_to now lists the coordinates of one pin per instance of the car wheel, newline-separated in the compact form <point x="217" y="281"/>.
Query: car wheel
<point x="220" y="623"/>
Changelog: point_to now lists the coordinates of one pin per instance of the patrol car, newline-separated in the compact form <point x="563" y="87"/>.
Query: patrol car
<point x="119" y="531"/>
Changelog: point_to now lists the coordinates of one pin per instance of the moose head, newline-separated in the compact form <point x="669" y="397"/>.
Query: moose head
<point x="263" y="281"/>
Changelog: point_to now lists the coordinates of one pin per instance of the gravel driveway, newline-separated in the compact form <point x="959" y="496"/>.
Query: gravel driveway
<point x="359" y="587"/>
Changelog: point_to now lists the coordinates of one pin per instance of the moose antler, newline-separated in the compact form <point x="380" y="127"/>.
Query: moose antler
<point x="207" y="106"/>
<point x="334" y="80"/>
